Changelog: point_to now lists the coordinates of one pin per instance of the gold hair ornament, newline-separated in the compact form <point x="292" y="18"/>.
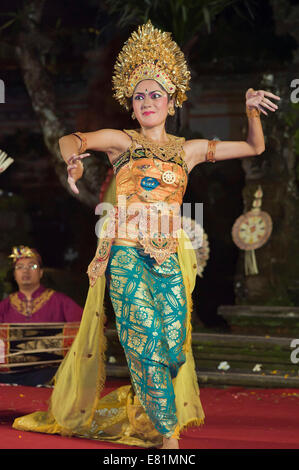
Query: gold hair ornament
<point x="150" y="54"/>
<point x="171" y="111"/>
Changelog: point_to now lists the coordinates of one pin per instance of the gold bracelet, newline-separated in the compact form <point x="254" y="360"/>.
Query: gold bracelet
<point x="210" y="155"/>
<point x="83" y="141"/>
<point x="252" y="112"/>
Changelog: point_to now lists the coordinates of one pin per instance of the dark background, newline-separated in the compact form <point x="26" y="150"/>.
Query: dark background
<point x="83" y="39"/>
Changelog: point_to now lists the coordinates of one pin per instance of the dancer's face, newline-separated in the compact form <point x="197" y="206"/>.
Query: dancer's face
<point x="150" y="103"/>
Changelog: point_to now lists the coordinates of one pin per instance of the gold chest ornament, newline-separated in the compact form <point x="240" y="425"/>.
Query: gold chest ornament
<point x="168" y="177"/>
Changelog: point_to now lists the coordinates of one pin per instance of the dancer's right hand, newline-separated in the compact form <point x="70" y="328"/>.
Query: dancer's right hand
<point x="75" y="170"/>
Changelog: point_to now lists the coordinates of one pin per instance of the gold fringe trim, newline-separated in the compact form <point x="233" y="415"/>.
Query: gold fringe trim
<point x="176" y="433"/>
<point x="188" y="341"/>
<point x="195" y="422"/>
<point x="101" y="379"/>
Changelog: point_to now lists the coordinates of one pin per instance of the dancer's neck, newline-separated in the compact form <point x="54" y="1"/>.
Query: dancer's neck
<point x="156" y="134"/>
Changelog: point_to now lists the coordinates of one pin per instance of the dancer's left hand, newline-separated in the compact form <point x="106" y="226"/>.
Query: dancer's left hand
<point x="75" y="170"/>
<point x="260" y="99"/>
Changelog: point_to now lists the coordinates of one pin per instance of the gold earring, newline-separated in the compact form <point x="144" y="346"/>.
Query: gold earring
<point x="171" y="111"/>
<point x="133" y="115"/>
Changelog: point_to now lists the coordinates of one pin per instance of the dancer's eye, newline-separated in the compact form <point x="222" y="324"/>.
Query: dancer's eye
<point x="156" y="95"/>
<point x="138" y="97"/>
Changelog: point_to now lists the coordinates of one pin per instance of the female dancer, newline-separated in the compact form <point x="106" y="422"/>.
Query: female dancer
<point x="149" y="272"/>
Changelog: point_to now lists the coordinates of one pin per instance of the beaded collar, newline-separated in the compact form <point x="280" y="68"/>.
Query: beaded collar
<point x="170" y="151"/>
<point x="165" y="151"/>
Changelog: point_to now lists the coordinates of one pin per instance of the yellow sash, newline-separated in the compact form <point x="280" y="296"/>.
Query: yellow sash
<point x="75" y="404"/>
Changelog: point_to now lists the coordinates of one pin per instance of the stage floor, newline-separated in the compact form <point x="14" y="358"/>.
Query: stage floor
<point x="236" y="418"/>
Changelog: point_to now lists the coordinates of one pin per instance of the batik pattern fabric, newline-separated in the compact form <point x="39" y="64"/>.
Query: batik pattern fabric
<point x="150" y="306"/>
<point x="79" y="406"/>
<point x="150" y="287"/>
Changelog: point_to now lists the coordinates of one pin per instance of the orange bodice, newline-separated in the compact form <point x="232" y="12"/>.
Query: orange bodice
<point x="151" y="181"/>
<point x="141" y="180"/>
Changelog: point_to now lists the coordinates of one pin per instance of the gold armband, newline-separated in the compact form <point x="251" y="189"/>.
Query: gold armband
<point x="252" y="112"/>
<point x="83" y="141"/>
<point x="210" y="156"/>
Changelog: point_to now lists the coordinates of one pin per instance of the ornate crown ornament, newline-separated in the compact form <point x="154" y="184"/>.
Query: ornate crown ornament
<point x="22" y="251"/>
<point x="150" y="53"/>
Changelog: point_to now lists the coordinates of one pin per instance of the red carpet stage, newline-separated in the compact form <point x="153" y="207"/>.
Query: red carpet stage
<point x="236" y="418"/>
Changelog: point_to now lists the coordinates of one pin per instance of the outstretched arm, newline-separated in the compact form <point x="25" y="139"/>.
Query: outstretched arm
<point x="72" y="148"/>
<point x="256" y="102"/>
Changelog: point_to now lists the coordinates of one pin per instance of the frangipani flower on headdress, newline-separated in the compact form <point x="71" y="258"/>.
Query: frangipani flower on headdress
<point x="22" y="251"/>
<point x="150" y="53"/>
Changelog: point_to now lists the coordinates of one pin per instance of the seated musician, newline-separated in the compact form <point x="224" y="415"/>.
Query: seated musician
<point x="33" y="302"/>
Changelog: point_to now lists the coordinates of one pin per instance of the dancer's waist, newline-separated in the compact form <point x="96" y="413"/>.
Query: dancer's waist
<point x="126" y="242"/>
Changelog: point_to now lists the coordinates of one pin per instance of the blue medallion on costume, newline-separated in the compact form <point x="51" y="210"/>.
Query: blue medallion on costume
<point x="149" y="183"/>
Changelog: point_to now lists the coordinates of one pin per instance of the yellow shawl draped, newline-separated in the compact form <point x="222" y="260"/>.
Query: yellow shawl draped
<point x="76" y="406"/>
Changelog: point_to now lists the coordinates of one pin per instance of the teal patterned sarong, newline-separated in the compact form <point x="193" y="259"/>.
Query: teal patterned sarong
<point x="150" y="305"/>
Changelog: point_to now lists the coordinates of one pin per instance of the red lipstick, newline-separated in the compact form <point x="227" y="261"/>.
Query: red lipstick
<point x="147" y="113"/>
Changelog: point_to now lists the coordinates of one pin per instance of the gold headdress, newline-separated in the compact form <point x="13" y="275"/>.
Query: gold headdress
<point x="22" y="251"/>
<point x="150" y="54"/>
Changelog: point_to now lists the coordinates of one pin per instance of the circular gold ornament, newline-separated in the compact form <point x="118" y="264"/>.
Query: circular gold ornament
<point x="168" y="177"/>
<point x="251" y="230"/>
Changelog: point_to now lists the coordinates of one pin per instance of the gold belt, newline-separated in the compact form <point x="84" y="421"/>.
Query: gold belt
<point x="126" y="242"/>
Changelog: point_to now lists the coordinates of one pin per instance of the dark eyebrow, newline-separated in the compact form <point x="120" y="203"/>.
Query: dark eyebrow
<point x="150" y="92"/>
